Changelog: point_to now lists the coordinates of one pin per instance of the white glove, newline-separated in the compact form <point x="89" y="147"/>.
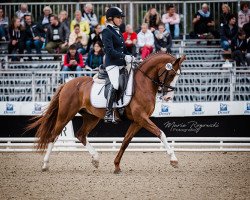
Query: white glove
<point x="129" y="58"/>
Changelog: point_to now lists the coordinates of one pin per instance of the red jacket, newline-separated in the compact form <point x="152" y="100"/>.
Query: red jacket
<point x="78" y="58"/>
<point x="131" y="36"/>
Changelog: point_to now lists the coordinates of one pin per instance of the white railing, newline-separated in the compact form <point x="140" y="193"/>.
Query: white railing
<point x="218" y="84"/>
<point x="144" y="144"/>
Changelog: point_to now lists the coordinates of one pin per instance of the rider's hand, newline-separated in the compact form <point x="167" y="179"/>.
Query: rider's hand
<point x="129" y="58"/>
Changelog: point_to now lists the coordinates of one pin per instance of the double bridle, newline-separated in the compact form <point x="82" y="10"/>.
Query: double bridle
<point x="159" y="83"/>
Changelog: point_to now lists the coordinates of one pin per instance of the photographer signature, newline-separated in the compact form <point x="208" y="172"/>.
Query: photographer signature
<point x="190" y="126"/>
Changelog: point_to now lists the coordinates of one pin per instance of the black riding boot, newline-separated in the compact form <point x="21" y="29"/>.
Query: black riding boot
<point x="109" y="117"/>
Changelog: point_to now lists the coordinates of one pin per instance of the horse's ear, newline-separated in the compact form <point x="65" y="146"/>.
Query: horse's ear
<point x="176" y="61"/>
<point x="183" y="57"/>
<point x="179" y="60"/>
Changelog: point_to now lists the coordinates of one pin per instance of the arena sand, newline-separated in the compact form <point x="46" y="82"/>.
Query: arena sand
<point x="201" y="175"/>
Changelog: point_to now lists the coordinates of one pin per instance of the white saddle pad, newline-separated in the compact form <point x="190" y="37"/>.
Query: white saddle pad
<point x="98" y="100"/>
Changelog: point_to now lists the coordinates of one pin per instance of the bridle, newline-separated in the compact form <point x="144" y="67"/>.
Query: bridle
<point x="159" y="83"/>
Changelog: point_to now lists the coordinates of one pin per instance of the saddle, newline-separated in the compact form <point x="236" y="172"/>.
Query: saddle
<point x="123" y="81"/>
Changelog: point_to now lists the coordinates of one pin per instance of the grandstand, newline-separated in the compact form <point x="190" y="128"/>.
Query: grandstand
<point x="204" y="78"/>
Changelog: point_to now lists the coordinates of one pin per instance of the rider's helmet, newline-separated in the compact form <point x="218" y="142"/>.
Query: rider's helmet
<point x="114" y="12"/>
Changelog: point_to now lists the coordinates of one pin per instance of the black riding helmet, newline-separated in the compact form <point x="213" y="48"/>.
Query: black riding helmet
<point x="114" y="12"/>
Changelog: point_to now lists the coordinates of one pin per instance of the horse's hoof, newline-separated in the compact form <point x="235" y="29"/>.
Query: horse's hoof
<point x="174" y="163"/>
<point x="117" y="171"/>
<point x="95" y="163"/>
<point x="44" y="169"/>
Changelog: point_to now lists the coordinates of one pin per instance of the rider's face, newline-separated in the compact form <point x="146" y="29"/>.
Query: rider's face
<point x="117" y="21"/>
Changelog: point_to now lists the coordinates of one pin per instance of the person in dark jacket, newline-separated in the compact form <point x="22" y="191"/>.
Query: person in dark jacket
<point x="239" y="48"/>
<point x="246" y="29"/>
<point x="228" y="33"/>
<point x="95" y="36"/>
<point x="204" y="24"/>
<point x="116" y="56"/>
<point x="33" y="35"/>
<point x="57" y="35"/>
<point x="95" y="56"/>
<point x="44" y="19"/>
<point x="163" y="39"/>
<point x="17" y="38"/>
<point x="225" y="14"/>
<point x="63" y="18"/>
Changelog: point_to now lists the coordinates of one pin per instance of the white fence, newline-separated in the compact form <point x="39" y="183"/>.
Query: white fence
<point x="144" y="144"/>
<point x="194" y="85"/>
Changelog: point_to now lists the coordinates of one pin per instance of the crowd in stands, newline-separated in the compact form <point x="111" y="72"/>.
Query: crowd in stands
<point x="81" y="37"/>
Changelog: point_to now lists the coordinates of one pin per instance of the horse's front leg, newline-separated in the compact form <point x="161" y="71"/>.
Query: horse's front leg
<point x="132" y="130"/>
<point x="151" y="127"/>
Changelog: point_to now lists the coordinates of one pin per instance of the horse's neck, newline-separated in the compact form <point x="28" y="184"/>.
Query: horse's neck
<point x="144" y="79"/>
<point x="148" y="72"/>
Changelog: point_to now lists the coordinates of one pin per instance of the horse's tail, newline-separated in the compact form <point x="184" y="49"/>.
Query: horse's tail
<point x="45" y="123"/>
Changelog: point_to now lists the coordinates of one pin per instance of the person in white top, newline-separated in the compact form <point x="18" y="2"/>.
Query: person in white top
<point x="90" y="16"/>
<point x="243" y="14"/>
<point x="78" y="38"/>
<point x="23" y="11"/>
<point x="145" y="41"/>
<point x="172" y="21"/>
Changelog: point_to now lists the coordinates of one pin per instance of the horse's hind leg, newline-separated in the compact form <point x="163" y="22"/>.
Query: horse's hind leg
<point x="45" y="166"/>
<point x="132" y="130"/>
<point x="61" y="122"/>
<point x="89" y="122"/>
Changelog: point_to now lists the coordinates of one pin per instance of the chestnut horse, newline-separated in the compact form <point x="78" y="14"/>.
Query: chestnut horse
<point x="74" y="97"/>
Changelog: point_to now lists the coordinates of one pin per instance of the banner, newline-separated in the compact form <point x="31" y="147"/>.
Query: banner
<point x="202" y="126"/>
<point x="161" y="109"/>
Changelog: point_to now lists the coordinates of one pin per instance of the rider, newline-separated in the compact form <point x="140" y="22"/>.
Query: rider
<point x="116" y="55"/>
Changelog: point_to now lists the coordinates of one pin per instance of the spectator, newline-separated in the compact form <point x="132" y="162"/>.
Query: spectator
<point x="172" y="22"/>
<point x="203" y="24"/>
<point x="225" y="14"/>
<point x="90" y="16"/>
<point x="228" y="33"/>
<point x="78" y="38"/>
<point x="63" y="18"/>
<point x="23" y="11"/>
<point x="122" y="27"/>
<point x="44" y="19"/>
<point x="152" y="18"/>
<point x="95" y="56"/>
<point x="33" y="36"/>
<point x="84" y="25"/>
<point x="73" y="61"/>
<point x="16" y="38"/>
<point x="163" y="39"/>
<point x="243" y="14"/>
<point x="130" y="38"/>
<point x="44" y="22"/>
<point x="246" y="29"/>
<point x="103" y="19"/>
<point x="4" y="26"/>
<point x="57" y="35"/>
<point x="239" y="47"/>
<point x="95" y="36"/>
<point x="145" y="41"/>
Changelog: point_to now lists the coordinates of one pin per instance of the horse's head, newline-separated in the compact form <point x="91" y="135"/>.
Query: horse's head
<point x="168" y="74"/>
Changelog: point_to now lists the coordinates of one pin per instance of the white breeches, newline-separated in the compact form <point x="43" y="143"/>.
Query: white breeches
<point x="113" y="73"/>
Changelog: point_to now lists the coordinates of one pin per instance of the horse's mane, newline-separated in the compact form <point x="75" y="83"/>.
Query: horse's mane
<point x="153" y="55"/>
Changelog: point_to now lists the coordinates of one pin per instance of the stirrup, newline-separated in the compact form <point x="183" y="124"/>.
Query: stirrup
<point x="110" y="118"/>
